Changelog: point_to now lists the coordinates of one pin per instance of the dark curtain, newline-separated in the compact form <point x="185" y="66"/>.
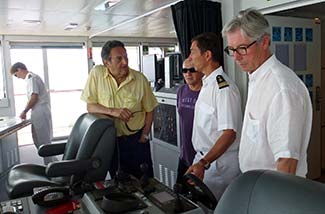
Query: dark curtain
<point x="193" y="17"/>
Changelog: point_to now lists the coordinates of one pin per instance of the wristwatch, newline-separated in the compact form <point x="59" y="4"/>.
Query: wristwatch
<point x="146" y="137"/>
<point x="205" y="163"/>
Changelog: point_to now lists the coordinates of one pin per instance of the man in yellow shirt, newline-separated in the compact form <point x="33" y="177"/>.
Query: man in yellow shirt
<point x="125" y="94"/>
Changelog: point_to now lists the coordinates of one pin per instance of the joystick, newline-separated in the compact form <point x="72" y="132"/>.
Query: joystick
<point x="178" y="208"/>
<point x="144" y="180"/>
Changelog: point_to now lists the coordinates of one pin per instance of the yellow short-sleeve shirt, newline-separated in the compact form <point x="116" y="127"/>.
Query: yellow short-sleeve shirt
<point x="133" y="93"/>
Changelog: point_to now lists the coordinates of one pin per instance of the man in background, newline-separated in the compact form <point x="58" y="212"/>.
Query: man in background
<point x="278" y="115"/>
<point x="39" y="104"/>
<point x="125" y="94"/>
<point x="187" y="95"/>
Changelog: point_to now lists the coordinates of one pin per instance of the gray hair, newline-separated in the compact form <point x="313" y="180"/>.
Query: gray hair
<point x="250" y="22"/>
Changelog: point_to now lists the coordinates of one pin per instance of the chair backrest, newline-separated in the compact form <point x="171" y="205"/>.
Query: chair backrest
<point x="271" y="192"/>
<point x="92" y="137"/>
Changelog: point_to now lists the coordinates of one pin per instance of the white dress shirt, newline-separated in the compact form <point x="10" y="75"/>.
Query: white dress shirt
<point x="216" y="110"/>
<point x="277" y="120"/>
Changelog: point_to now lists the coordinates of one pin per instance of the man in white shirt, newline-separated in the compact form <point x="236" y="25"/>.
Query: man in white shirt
<point x="217" y="117"/>
<point x="38" y="103"/>
<point x="278" y="116"/>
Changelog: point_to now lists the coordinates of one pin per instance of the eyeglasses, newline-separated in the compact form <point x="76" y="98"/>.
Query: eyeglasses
<point x="130" y="129"/>
<point x="118" y="59"/>
<point x="241" y="50"/>
<point x="191" y="70"/>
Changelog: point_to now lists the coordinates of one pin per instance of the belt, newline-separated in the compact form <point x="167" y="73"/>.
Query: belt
<point x="129" y="136"/>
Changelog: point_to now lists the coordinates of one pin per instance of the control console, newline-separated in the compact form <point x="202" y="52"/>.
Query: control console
<point x="18" y="206"/>
<point x="167" y="200"/>
<point x="155" y="197"/>
<point x="128" y="195"/>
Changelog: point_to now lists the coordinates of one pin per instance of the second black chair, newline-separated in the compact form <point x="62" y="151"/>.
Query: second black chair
<point x="87" y="156"/>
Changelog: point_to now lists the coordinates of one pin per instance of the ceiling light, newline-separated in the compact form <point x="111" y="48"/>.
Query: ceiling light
<point x="106" y="4"/>
<point x="71" y="26"/>
<point x="317" y="20"/>
<point x="32" y="21"/>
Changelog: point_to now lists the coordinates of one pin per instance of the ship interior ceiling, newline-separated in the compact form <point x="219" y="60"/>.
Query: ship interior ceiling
<point x="86" y="25"/>
<point x="139" y="18"/>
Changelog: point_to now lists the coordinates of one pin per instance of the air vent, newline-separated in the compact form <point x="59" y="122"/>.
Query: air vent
<point x="32" y="21"/>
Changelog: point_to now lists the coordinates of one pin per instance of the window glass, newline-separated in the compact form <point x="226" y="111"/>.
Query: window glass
<point x="33" y="59"/>
<point x="67" y="71"/>
<point x="67" y="75"/>
<point x="2" y="80"/>
<point x="161" y="51"/>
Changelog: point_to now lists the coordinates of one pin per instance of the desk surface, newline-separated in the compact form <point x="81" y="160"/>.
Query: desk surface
<point x="9" y="125"/>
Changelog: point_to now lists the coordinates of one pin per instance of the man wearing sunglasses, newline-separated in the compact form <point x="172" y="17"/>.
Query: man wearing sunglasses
<point x="187" y="95"/>
<point x="125" y="94"/>
<point x="278" y="115"/>
<point x="217" y="118"/>
<point x="39" y="104"/>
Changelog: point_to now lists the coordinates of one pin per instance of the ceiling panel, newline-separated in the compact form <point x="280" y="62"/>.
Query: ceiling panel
<point x="158" y="25"/>
<point x="55" y="15"/>
<point x="310" y="11"/>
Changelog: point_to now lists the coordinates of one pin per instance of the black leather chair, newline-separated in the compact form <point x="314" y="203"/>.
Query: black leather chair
<point x="87" y="156"/>
<point x="271" y="192"/>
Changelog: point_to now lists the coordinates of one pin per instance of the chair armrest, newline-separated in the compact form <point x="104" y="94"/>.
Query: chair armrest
<point x="51" y="149"/>
<point x="67" y="167"/>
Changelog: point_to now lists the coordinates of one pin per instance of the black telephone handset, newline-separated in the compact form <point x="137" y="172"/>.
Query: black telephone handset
<point x="51" y="196"/>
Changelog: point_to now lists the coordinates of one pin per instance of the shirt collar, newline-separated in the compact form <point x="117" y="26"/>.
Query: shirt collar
<point x="206" y="80"/>
<point x="28" y="76"/>
<point x="261" y="71"/>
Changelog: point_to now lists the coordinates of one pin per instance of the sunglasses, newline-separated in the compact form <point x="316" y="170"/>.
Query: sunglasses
<point x="191" y="70"/>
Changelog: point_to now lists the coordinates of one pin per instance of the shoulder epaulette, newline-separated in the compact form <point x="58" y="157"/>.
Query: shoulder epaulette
<point x="222" y="83"/>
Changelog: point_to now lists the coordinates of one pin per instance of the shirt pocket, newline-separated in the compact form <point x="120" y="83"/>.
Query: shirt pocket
<point x="131" y="103"/>
<point x="205" y="115"/>
<point x="105" y="98"/>
<point x="253" y="129"/>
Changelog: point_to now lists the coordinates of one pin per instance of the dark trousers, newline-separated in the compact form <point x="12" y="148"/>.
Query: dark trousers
<point x="132" y="154"/>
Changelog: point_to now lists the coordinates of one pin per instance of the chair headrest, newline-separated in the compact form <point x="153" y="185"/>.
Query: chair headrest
<point x="272" y="192"/>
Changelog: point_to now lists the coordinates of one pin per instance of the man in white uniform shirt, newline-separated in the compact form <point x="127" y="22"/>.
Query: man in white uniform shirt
<point x="278" y="115"/>
<point x="217" y="117"/>
<point x="39" y="103"/>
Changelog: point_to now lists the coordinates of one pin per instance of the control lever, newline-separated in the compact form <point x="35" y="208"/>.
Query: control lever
<point x="8" y="209"/>
<point x="178" y="208"/>
<point x="144" y="180"/>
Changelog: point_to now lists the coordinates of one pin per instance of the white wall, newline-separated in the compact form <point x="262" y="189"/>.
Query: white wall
<point x="230" y="8"/>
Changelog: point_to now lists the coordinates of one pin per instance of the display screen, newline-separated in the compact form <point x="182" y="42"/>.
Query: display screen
<point x="165" y="124"/>
<point x="163" y="197"/>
